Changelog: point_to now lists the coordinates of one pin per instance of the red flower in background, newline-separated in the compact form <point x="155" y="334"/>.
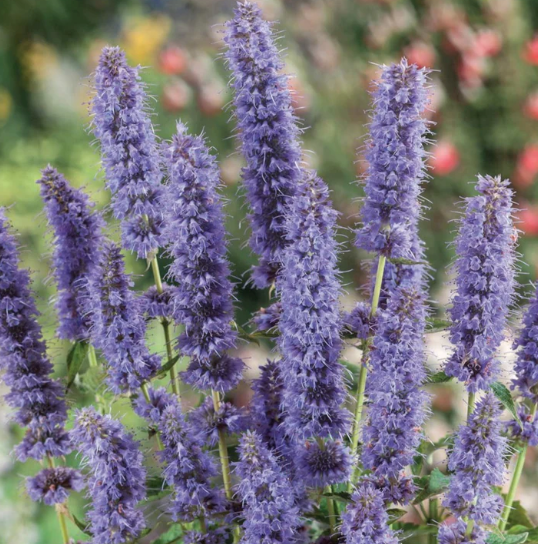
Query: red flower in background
<point x="528" y="219"/>
<point x="488" y="43"/>
<point x="531" y="107"/>
<point x="421" y="54"/>
<point x="527" y="166"/>
<point x="531" y="51"/>
<point x="444" y="159"/>
<point x="172" y="61"/>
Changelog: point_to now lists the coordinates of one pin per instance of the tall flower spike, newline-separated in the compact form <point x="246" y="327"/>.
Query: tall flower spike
<point x="52" y="485"/>
<point x="122" y="125"/>
<point x="365" y="520"/>
<point x="477" y="464"/>
<point x="396" y="169"/>
<point x="37" y="398"/>
<point x="269" y="507"/>
<point x="310" y="322"/>
<point x="485" y="270"/>
<point x="268" y="131"/>
<point x="119" y="328"/>
<point x="526" y="365"/>
<point x="188" y="468"/>
<point x="77" y="236"/>
<point x="397" y="405"/>
<point x="117" y="477"/>
<point x="203" y="299"/>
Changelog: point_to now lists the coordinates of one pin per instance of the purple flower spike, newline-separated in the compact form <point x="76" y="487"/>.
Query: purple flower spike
<point x="157" y="305"/>
<point x="526" y="365"/>
<point x="359" y="321"/>
<point x="396" y="169"/>
<point x="116" y="482"/>
<point x="397" y="405"/>
<point x="212" y="536"/>
<point x="266" y="319"/>
<point x="77" y="236"/>
<point x="202" y="302"/>
<point x="485" y="283"/>
<point x="476" y="462"/>
<point x="188" y="468"/>
<point x="119" y="328"/>
<point x="365" y="520"/>
<point x="207" y="423"/>
<point x="268" y="500"/>
<point x="319" y="465"/>
<point x="310" y="323"/>
<point x="268" y="131"/>
<point x="456" y="533"/>
<point x="52" y="485"/>
<point x="529" y="433"/>
<point x="122" y="125"/>
<point x="37" y="399"/>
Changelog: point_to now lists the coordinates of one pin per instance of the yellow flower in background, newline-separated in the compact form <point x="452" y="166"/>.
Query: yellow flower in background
<point x="5" y="104"/>
<point x="144" y="37"/>
<point x="38" y="58"/>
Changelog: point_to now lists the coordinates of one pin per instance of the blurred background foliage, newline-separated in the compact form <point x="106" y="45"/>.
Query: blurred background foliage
<point x="484" y="115"/>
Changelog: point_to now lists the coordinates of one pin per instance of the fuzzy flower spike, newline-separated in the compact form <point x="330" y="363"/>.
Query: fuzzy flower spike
<point x="122" y="125"/>
<point x="310" y="325"/>
<point x="203" y="298"/>
<point x="485" y="268"/>
<point x="268" y="131"/>
<point x="397" y="406"/>
<point x="119" y="328"/>
<point x="396" y="170"/>
<point x="37" y="398"/>
<point x="476" y="462"/>
<point x="116" y="477"/>
<point x="77" y="236"/>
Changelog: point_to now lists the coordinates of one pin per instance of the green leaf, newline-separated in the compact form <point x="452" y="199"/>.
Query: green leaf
<point x="517" y="529"/>
<point x="341" y="496"/>
<point x="503" y="394"/>
<point x="395" y="514"/>
<point x="518" y="516"/>
<point x="435" y="324"/>
<point x="410" y="529"/>
<point x="439" y="377"/>
<point x="75" y="358"/>
<point x="401" y="260"/>
<point x="171" y="536"/>
<point x="431" y="485"/>
<point x="167" y="366"/>
<point x="507" y="539"/>
<point x="82" y="525"/>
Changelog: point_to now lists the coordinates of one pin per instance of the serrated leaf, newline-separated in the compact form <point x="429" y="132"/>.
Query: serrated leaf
<point x="503" y="394"/>
<point x="518" y="516"/>
<point x="435" y="324"/>
<point x="82" y="525"/>
<point x="431" y="485"/>
<point x="507" y="539"/>
<point x="439" y="377"/>
<point x="75" y="358"/>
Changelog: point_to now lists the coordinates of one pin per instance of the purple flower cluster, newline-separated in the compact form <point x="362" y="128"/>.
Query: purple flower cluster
<point x="359" y="321"/>
<point x="268" y="499"/>
<point x="526" y="365"/>
<point x="52" y="485"/>
<point x="37" y="398"/>
<point x="476" y="462"/>
<point x="266" y="319"/>
<point x="268" y="131"/>
<point x="203" y="298"/>
<point x="122" y="125"/>
<point x="396" y="168"/>
<point x="77" y="236"/>
<point x="188" y="468"/>
<point x="365" y="520"/>
<point x="157" y="305"/>
<point x="485" y="270"/>
<point x="119" y="328"/>
<point x="456" y="533"/>
<point x="310" y="323"/>
<point x="397" y="405"/>
<point x="212" y="536"/>
<point x="207" y="422"/>
<point x="117" y="478"/>
<point x="527" y="431"/>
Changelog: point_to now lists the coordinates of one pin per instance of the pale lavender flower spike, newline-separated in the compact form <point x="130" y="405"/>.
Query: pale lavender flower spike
<point x="122" y="124"/>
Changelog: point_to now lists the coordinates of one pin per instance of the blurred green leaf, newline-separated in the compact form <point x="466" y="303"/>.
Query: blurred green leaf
<point x="75" y="358"/>
<point x="507" y="539"/>
<point x="518" y="516"/>
<point x="431" y="485"/>
<point x="435" y="324"/>
<point x="439" y="377"/>
<point x="504" y="396"/>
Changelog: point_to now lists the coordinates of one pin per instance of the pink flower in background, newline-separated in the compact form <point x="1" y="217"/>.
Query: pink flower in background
<point x="172" y="61"/>
<point x="421" y="54"/>
<point x="531" y="51"/>
<point x="444" y="159"/>
<point x="176" y="95"/>
<point x="488" y="43"/>
<point x="531" y="107"/>
<point x="527" y="166"/>
<point x="528" y="219"/>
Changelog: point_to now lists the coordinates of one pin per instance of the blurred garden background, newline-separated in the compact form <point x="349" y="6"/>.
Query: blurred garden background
<point x="484" y="54"/>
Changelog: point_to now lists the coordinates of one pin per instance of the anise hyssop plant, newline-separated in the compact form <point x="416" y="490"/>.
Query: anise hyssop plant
<point x="326" y="451"/>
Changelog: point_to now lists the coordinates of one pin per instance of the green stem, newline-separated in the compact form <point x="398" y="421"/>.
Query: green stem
<point x="434" y="513"/>
<point x="515" y="480"/>
<point x="92" y="357"/>
<point x="360" y="395"/>
<point x="59" y="512"/>
<point x="330" y="509"/>
<point x="223" y="451"/>
<point x="166" y="327"/>
<point x="470" y="405"/>
<point x="145" y="392"/>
